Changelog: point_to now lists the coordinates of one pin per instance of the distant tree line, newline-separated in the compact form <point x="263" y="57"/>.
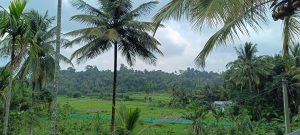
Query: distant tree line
<point x="93" y="82"/>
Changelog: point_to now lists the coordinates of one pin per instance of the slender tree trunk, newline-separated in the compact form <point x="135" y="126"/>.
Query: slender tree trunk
<point x="284" y="83"/>
<point x="285" y="106"/>
<point x="286" y="37"/>
<point x="113" y="109"/>
<point x="10" y="87"/>
<point x="56" y="74"/>
<point x="32" y="107"/>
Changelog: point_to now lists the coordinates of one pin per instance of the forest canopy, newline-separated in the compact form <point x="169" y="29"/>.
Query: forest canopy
<point x="94" y="82"/>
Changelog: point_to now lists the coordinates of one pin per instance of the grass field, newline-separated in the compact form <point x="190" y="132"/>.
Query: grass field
<point x="158" y="108"/>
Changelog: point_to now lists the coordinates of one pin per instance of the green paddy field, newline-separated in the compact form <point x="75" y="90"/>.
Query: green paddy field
<point x="90" y="115"/>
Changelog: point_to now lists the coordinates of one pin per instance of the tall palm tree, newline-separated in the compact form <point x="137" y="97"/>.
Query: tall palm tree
<point x="12" y="22"/>
<point x="57" y="68"/>
<point x="39" y="59"/>
<point x="248" y="68"/>
<point x="40" y="54"/>
<point x="31" y="49"/>
<point x="114" y="24"/>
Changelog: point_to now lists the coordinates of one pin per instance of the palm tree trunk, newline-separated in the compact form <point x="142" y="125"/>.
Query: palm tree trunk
<point x="10" y="87"/>
<point x="32" y="107"/>
<point x="56" y="74"/>
<point x="284" y="83"/>
<point x="285" y="107"/>
<point x="286" y="37"/>
<point x="113" y="109"/>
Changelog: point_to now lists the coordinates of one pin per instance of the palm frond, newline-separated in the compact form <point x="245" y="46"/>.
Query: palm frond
<point x="87" y="8"/>
<point x="144" y="26"/>
<point x="89" y="19"/>
<point x="139" y="44"/>
<point x="231" y="31"/>
<point x="291" y="31"/>
<point x="66" y="60"/>
<point x="91" y="50"/>
<point x="116" y="24"/>
<point x="175" y="9"/>
<point x="24" y="69"/>
<point x="4" y="22"/>
<point x="85" y="35"/>
<point x="132" y="118"/>
<point x="17" y="7"/>
<point x="295" y="50"/>
<point x="143" y="9"/>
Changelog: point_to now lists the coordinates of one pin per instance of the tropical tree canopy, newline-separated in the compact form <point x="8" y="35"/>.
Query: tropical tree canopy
<point x="40" y="55"/>
<point x="13" y="25"/>
<point x="114" y="22"/>
<point x="36" y="48"/>
<point x="248" y="69"/>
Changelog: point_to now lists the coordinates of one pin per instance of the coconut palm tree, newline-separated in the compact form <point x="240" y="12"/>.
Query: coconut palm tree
<point x="37" y="51"/>
<point x="13" y="24"/>
<point x="39" y="59"/>
<point x="31" y="49"/>
<point x="57" y="68"/>
<point x="113" y="24"/>
<point x="248" y="68"/>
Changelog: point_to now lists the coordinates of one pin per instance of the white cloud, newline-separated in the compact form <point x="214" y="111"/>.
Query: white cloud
<point x="172" y="42"/>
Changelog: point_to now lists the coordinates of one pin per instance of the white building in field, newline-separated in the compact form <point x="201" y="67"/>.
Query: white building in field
<point x="222" y="104"/>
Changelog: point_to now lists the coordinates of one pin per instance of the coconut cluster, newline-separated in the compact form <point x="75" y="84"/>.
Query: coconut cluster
<point x="285" y="9"/>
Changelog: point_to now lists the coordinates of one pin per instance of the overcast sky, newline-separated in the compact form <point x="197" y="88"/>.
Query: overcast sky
<point x="180" y="42"/>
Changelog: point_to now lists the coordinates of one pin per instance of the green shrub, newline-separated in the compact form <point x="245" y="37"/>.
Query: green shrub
<point x="76" y="94"/>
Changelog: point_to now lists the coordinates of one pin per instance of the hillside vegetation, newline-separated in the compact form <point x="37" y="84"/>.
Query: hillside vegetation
<point x="93" y="82"/>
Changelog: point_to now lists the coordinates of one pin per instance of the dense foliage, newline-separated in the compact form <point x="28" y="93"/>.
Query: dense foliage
<point x="261" y="89"/>
<point x="95" y="82"/>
